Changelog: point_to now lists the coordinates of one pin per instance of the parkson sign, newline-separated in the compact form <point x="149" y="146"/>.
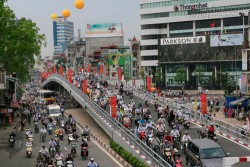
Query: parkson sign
<point x="191" y="6"/>
<point x="184" y="40"/>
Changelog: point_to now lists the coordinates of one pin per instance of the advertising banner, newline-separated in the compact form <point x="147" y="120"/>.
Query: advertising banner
<point x="226" y="40"/>
<point x="113" y="106"/>
<point x="85" y="86"/>
<point x="203" y="104"/>
<point x="244" y="61"/>
<point x="149" y="84"/>
<point x="104" y="30"/>
<point x="120" y="74"/>
<point x="118" y="58"/>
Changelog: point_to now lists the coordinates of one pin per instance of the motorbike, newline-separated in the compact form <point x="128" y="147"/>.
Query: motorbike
<point x="52" y="151"/>
<point x="62" y="124"/>
<point x="167" y="154"/>
<point x="62" y="111"/>
<point x="176" y="142"/>
<point x="180" y="119"/>
<point x="142" y="135"/>
<point x="69" y="164"/>
<point x="187" y="124"/>
<point x="185" y="143"/>
<point x="40" y="164"/>
<point x="70" y="138"/>
<point x="12" y="141"/>
<point x="201" y="135"/>
<point x="156" y="148"/>
<point x="73" y="150"/>
<point x="50" y="130"/>
<point x="36" y="129"/>
<point x="57" y="147"/>
<point x="29" y="151"/>
<point x="59" y="162"/>
<point x="43" y="137"/>
<point x="178" y="163"/>
<point x="127" y="125"/>
<point x="84" y="152"/>
<point x="172" y="124"/>
<point x="212" y="137"/>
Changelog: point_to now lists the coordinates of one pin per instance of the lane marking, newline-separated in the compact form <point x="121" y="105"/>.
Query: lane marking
<point x="96" y="143"/>
<point x="65" y="148"/>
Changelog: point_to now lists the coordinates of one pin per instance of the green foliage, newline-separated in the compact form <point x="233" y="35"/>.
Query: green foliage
<point x="228" y="83"/>
<point x="181" y="75"/>
<point x="61" y="61"/>
<point x="159" y="75"/>
<point x="126" y="155"/>
<point x="20" y="43"/>
<point x="142" y="74"/>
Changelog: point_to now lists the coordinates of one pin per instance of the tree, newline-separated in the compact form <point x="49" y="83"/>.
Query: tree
<point x="199" y="73"/>
<point x="61" y="62"/>
<point x="158" y="77"/>
<point x="181" y="75"/>
<point x="20" y="43"/>
<point x="227" y="82"/>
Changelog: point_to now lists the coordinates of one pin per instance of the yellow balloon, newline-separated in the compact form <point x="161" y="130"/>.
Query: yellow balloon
<point x="66" y="13"/>
<point x="79" y="4"/>
<point x="53" y="16"/>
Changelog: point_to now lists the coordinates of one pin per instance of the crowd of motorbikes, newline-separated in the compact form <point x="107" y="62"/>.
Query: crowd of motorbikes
<point x="56" y="128"/>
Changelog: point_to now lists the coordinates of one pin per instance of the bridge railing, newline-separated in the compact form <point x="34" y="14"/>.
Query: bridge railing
<point x="111" y="126"/>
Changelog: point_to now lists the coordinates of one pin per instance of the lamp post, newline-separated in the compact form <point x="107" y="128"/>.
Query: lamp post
<point x="236" y="75"/>
<point x="243" y="22"/>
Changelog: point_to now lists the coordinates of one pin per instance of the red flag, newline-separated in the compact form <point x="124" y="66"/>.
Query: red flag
<point x="113" y="106"/>
<point x="101" y="69"/>
<point x="61" y="70"/>
<point x="149" y="84"/>
<point x="85" y="86"/>
<point x="212" y="25"/>
<point x="203" y="103"/>
<point x="54" y="69"/>
<point x="120" y="74"/>
<point x="88" y="67"/>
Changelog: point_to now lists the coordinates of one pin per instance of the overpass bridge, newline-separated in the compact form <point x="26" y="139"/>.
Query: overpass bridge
<point x="113" y="128"/>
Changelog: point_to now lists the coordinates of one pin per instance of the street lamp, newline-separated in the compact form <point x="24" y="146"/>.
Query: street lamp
<point x="243" y="16"/>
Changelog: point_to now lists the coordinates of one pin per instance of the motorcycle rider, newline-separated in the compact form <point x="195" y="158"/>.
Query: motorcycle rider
<point x="52" y="143"/>
<point x="211" y="130"/>
<point x="155" y="142"/>
<point x="86" y="131"/>
<point x="43" y="131"/>
<point x="29" y="143"/>
<point x="176" y="156"/>
<point x="162" y="120"/>
<point x="69" y="158"/>
<point x="50" y="162"/>
<point x="160" y="130"/>
<point x="126" y="120"/>
<point x="175" y="133"/>
<point x="186" y="137"/>
<point x="40" y="158"/>
<point x="92" y="163"/>
<point x="203" y="131"/>
<point x="59" y="155"/>
<point x="168" y="137"/>
<point x="44" y="152"/>
<point x="73" y="144"/>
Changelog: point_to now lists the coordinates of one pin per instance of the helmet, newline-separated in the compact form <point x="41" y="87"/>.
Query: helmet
<point x="186" y="132"/>
<point x="211" y="123"/>
<point x="43" y="145"/>
<point x="91" y="159"/>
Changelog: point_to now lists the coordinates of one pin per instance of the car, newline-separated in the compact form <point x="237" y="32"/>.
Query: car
<point x="205" y="153"/>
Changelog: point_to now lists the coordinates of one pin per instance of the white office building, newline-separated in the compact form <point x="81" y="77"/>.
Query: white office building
<point x="186" y="18"/>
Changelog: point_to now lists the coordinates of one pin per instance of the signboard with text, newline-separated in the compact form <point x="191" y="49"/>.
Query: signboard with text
<point x="226" y="40"/>
<point x="183" y="40"/>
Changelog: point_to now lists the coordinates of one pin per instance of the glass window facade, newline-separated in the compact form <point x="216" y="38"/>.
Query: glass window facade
<point x="181" y="25"/>
<point x="207" y="23"/>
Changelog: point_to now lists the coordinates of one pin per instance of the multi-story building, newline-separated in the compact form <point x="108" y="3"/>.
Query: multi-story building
<point x="136" y="58"/>
<point x="192" y="34"/>
<point x="63" y="30"/>
<point x="102" y="34"/>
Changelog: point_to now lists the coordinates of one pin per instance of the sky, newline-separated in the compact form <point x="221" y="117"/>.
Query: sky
<point x="95" y="11"/>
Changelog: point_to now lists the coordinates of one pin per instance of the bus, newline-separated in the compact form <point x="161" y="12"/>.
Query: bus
<point x="46" y="96"/>
<point x="54" y="110"/>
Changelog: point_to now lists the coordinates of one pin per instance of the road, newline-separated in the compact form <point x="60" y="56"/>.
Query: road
<point x="17" y="156"/>
<point x="234" y="149"/>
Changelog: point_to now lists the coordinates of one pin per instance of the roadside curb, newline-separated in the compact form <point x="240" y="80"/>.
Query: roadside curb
<point x="106" y="147"/>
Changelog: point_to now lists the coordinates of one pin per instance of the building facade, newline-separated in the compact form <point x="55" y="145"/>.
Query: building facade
<point x="203" y="20"/>
<point x="63" y="30"/>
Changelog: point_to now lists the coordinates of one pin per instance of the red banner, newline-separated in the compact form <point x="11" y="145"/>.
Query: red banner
<point x="149" y="84"/>
<point x="101" y="69"/>
<point x="203" y="103"/>
<point x="70" y="74"/>
<point x="61" y="70"/>
<point x="88" y="67"/>
<point x="113" y="106"/>
<point x="85" y="86"/>
<point x="120" y="74"/>
<point x="54" y="69"/>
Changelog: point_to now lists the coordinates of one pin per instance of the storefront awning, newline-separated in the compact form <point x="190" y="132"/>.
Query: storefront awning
<point x="237" y="101"/>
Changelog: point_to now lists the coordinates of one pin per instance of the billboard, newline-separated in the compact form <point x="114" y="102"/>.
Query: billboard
<point x="183" y="40"/>
<point x="104" y="30"/>
<point x="226" y="40"/>
<point x="120" y="58"/>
